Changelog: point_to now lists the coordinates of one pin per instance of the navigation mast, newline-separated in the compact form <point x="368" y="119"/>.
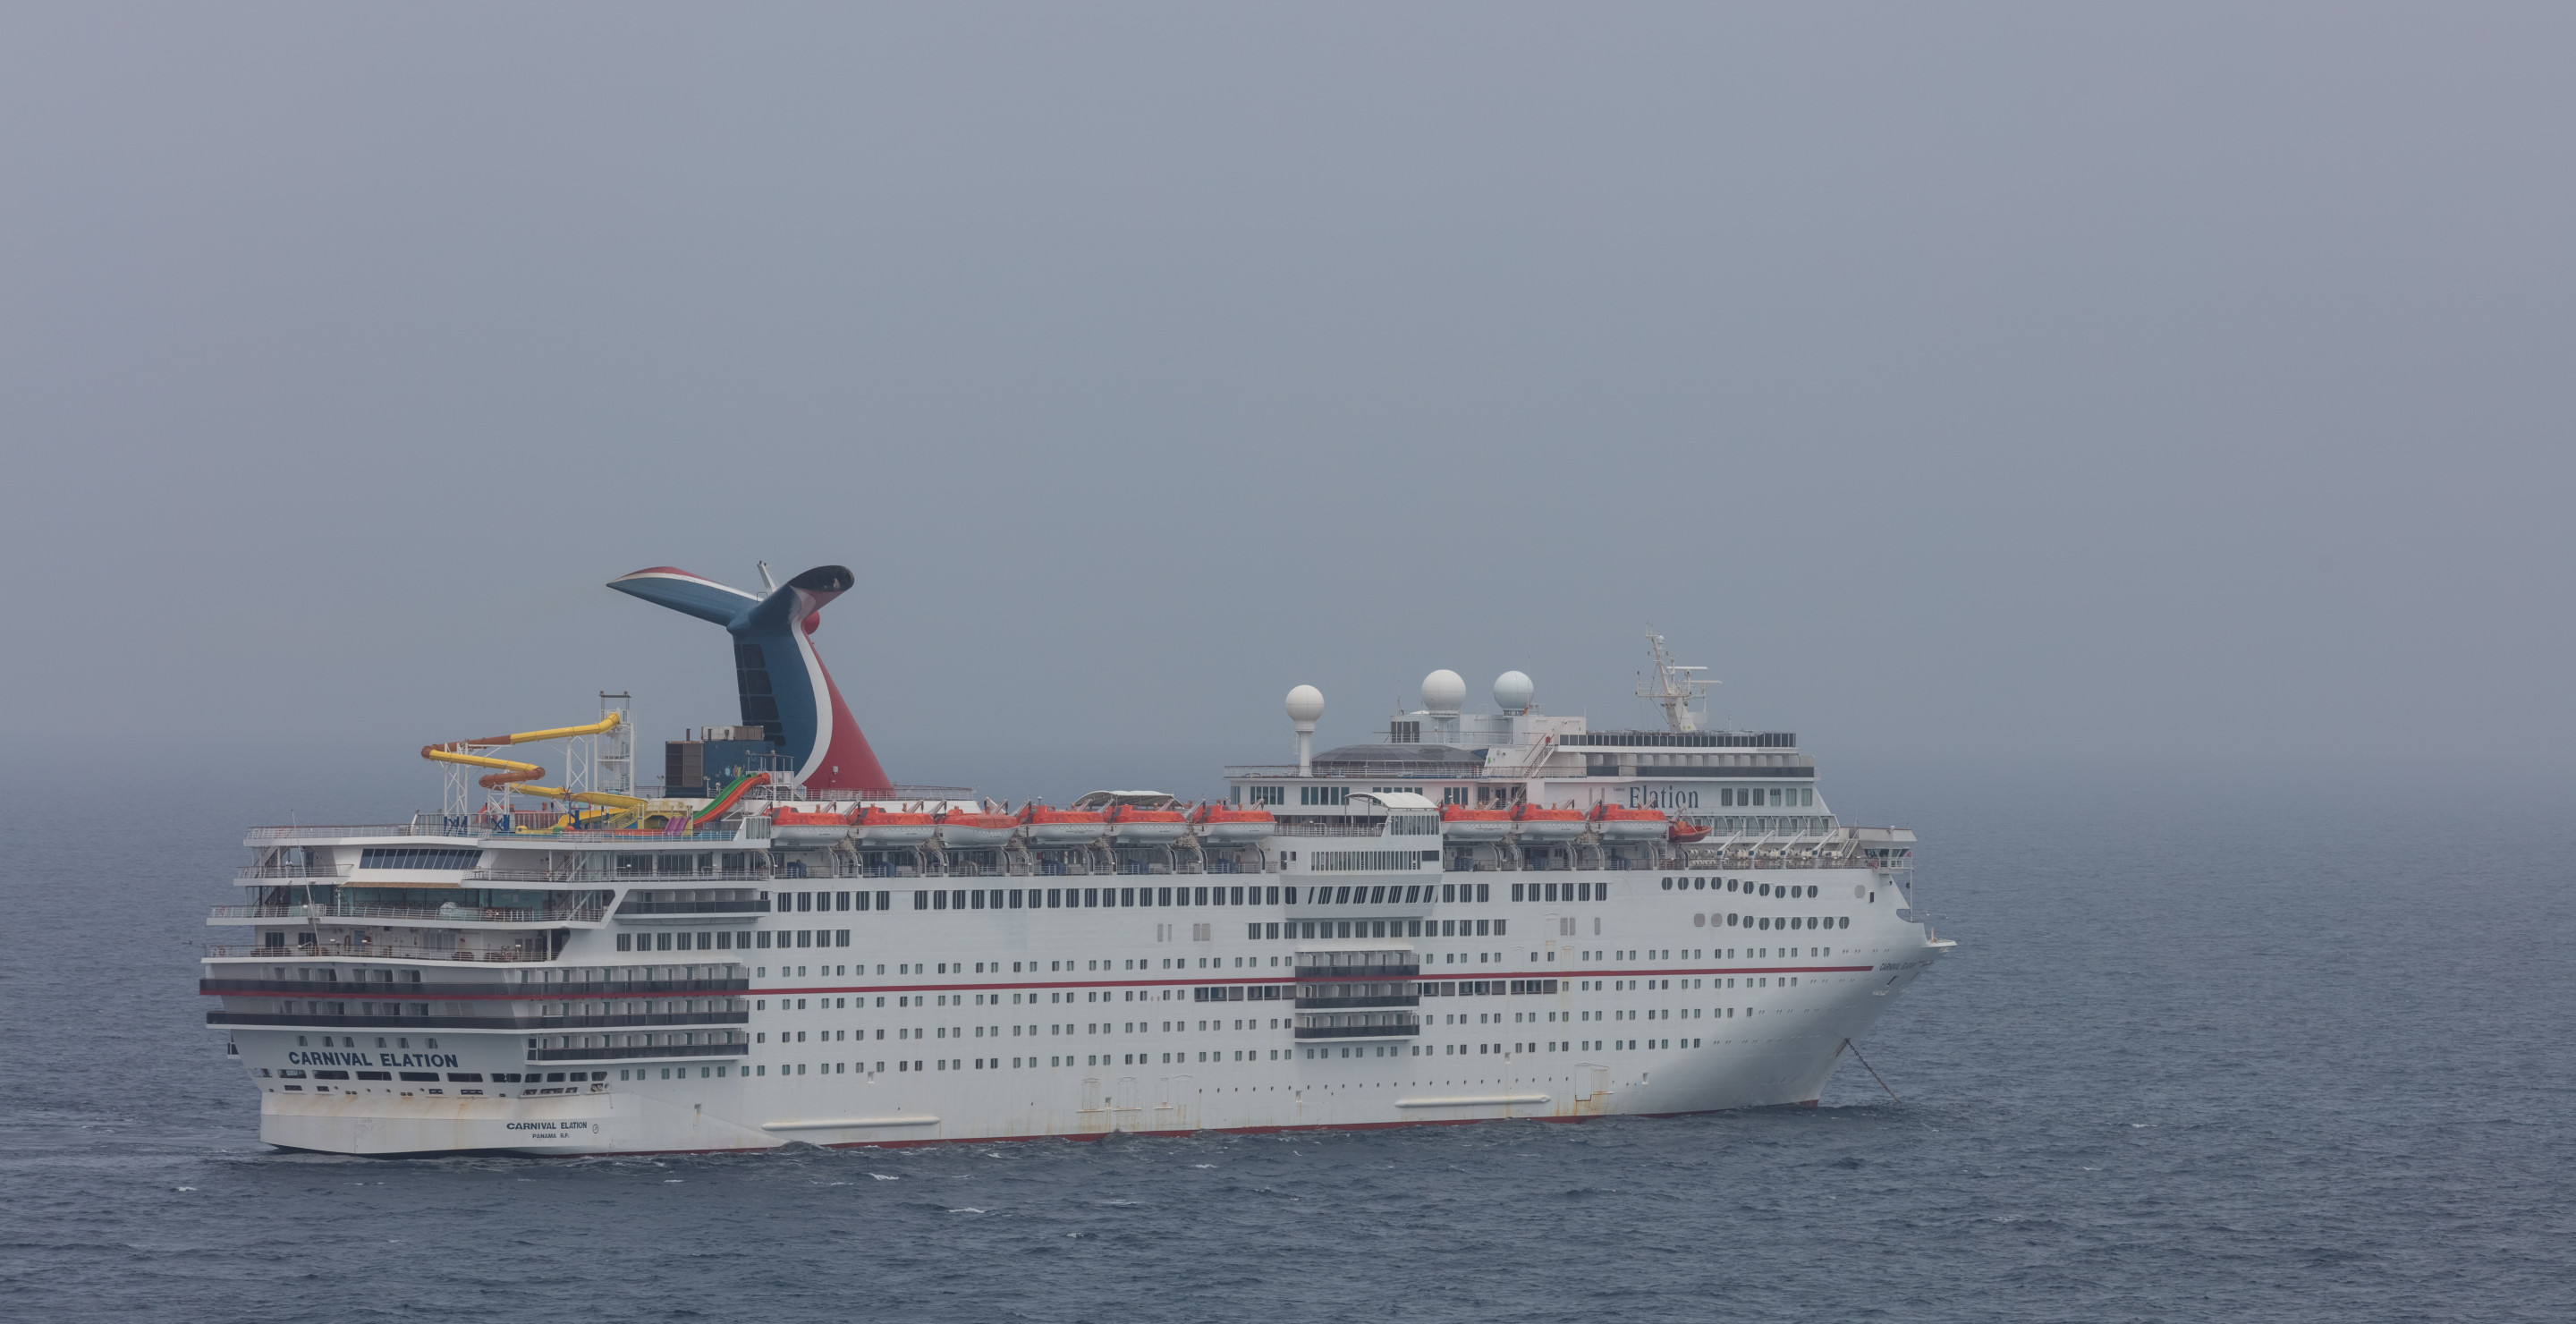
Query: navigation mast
<point x="1674" y="688"/>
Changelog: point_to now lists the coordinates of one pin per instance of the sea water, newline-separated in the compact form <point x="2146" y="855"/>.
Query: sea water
<point x="2281" y="1048"/>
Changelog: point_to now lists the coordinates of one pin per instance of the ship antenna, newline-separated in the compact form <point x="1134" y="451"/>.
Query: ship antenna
<point x="768" y="581"/>
<point x="1674" y="688"/>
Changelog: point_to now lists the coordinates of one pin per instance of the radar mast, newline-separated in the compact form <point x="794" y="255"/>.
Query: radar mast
<point x="1674" y="688"/>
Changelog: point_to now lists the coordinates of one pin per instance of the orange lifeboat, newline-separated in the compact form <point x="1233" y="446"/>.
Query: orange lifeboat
<point x="969" y="829"/>
<point x="1459" y="823"/>
<point x="1061" y="827"/>
<point x="1617" y="824"/>
<point x="877" y="825"/>
<point x="1135" y="825"/>
<point x="1686" y="833"/>
<point x="807" y="827"/>
<point x="1227" y="825"/>
<point x="1538" y="824"/>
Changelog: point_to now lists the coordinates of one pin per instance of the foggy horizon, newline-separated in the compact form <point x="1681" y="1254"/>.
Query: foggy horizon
<point x="1990" y="384"/>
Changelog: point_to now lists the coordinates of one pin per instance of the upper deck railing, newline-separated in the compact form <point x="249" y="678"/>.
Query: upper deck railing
<point x="302" y="830"/>
<point x="379" y="950"/>
<point x="1379" y="771"/>
<point x="843" y="794"/>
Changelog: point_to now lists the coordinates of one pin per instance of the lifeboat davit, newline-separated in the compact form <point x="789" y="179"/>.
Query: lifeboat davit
<point x="1538" y="824"/>
<point x="1061" y="827"/>
<point x="971" y="829"/>
<point x="880" y="826"/>
<point x="1617" y="824"/>
<point x="1459" y="823"/>
<point x="1134" y="825"/>
<point x="1227" y="825"/>
<point x="804" y="827"/>
<point x="1686" y="833"/>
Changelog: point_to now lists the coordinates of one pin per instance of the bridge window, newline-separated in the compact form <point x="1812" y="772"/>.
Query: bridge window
<point x="417" y="857"/>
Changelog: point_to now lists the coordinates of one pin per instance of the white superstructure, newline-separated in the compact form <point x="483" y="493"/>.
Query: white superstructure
<point x="1486" y="915"/>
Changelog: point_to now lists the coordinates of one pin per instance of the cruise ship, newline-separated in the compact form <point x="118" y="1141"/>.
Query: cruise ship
<point x="1478" y="915"/>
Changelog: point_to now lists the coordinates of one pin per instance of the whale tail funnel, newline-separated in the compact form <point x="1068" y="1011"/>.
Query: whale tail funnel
<point x="777" y="674"/>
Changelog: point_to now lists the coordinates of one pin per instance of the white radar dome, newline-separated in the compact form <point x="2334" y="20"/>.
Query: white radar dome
<point x="1513" y="692"/>
<point x="1443" y="691"/>
<point x="1305" y="704"/>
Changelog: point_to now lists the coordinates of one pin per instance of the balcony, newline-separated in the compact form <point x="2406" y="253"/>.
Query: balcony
<point x="588" y="988"/>
<point x="1334" y="964"/>
<point x="1306" y="1033"/>
<point x="1332" y="972"/>
<point x="694" y="908"/>
<point x="447" y="914"/>
<point x="1330" y="1002"/>
<point x="495" y="1024"/>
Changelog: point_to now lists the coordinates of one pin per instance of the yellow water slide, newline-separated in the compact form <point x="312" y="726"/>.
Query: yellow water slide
<point x="511" y="772"/>
<point x="585" y="797"/>
<point x="620" y="810"/>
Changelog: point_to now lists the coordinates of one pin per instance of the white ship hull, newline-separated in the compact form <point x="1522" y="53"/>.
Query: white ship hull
<point x="1087" y="1053"/>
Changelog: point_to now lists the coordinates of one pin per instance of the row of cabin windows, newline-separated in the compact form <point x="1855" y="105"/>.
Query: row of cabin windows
<point x="1732" y="797"/>
<point x="1560" y="891"/>
<point x="1696" y="954"/>
<point x="1341" y="795"/>
<point x="729" y="940"/>
<point x="1776" y="797"/>
<point x="1068" y="898"/>
<point x="1744" y="885"/>
<point x="1062" y="898"/>
<point x="834" y="901"/>
<point x="1017" y="1063"/>
<point x="1268" y="930"/>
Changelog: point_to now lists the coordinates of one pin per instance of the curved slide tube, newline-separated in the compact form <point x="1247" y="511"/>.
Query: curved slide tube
<point x="511" y="772"/>
<point x="618" y="810"/>
<point x="585" y="797"/>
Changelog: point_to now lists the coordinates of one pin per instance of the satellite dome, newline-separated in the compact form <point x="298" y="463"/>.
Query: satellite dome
<point x="1443" y="691"/>
<point x="1513" y="692"/>
<point x="1305" y="704"/>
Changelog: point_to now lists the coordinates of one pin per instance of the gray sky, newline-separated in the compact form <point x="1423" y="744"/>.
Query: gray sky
<point x="2036" y="382"/>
